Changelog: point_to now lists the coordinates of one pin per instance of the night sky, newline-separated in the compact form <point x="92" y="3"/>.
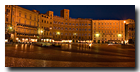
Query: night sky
<point x="119" y="12"/>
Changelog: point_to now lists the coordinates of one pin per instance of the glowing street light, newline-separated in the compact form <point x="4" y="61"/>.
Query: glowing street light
<point x="10" y="27"/>
<point x="97" y="35"/>
<point x="124" y="21"/>
<point x="41" y="31"/>
<point x="58" y="33"/>
<point x="119" y="35"/>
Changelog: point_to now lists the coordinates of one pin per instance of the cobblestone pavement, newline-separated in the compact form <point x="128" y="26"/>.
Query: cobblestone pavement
<point x="69" y="55"/>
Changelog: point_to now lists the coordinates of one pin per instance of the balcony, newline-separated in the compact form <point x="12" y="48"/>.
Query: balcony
<point x="19" y="24"/>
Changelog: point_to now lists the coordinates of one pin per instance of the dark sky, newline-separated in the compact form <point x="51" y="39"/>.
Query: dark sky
<point x="89" y="11"/>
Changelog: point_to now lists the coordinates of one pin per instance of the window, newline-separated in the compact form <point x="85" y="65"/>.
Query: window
<point x="89" y="24"/>
<point x="66" y="28"/>
<point x="25" y="15"/>
<point x="50" y="22"/>
<point x="69" y="23"/>
<point x="30" y="16"/>
<point x="42" y="20"/>
<point x="69" y="28"/>
<point x="86" y="24"/>
<point x="82" y="24"/>
<point x="85" y="29"/>
<point x="61" y="23"/>
<point x="66" y="23"/>
<point x="99" y="23"/>
<point x="77" y="29"/>
<point x="6" y="19"/>
<point x="61" y="33"/>
<point x="77" y="24"/>
<point x="65" y="33"/>
<point x="7" y="10"/>
<point x="19" y="20"/>
<point x="85" y="34"/>
<point x="94" y="23"/>
<point x="19" y="14"/>
<point x="45" y="21"/>
<point x="82" y="29"/>
<point x="89" y="29"/>
<point x="89" y="34"/>
<point x="35" y="18"/>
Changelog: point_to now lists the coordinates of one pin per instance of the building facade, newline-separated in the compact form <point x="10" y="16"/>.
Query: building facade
<point x="33" y="26"/>
<point x="130" y="30"/>
<point x="108" y="30"/>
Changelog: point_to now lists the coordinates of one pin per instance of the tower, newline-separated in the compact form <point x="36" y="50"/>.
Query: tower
<point x="65" y="13"/>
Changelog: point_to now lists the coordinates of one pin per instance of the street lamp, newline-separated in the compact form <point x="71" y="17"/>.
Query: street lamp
<point x="97" y="35"/>
<point x="41" y="31"/>
<point x="124" y="21"/>
<point x="10" y="27"/>
<point x="119" y="35"/>
<point x="42" y="34"/>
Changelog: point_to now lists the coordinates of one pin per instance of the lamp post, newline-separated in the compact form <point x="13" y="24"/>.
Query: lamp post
<point x="42" y="33"/>
<point x="97" y="35"/>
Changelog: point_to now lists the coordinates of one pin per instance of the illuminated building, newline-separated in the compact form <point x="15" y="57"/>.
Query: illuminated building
<point x="130" y="30"/>
<point x="34" y="26"/>
<point x="108" y="30"/>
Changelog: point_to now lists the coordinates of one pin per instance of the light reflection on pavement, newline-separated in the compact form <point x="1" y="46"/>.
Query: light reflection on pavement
<point x="69" y="55"/>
